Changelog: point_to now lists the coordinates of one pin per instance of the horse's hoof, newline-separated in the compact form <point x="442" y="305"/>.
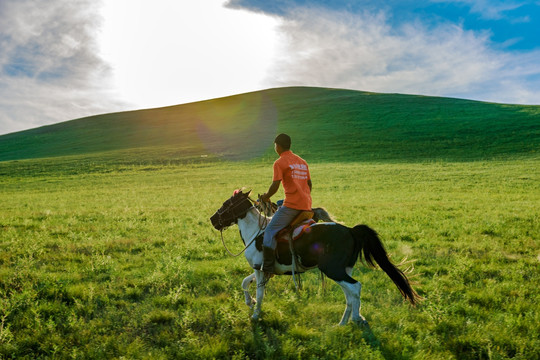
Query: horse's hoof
<point x="256" y="316"/>
<point x="361" y="322"/>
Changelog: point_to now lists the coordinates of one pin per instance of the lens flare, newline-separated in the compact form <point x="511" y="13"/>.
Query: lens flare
<point x="240" y="128"/>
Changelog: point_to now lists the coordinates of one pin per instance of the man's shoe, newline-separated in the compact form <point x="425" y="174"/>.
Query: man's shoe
<point x="269" y="256"/>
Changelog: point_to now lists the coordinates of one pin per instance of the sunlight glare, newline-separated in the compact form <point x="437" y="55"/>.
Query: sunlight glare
<point x="169" y="52"/>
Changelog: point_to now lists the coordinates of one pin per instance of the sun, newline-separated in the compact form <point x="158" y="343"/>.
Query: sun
<point x="168" y="52"/>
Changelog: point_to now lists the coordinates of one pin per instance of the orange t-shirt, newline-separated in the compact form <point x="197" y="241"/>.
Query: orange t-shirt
<point x="293" y="172"/>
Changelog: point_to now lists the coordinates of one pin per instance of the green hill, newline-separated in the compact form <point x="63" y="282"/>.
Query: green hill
<point x="325" y="124"/>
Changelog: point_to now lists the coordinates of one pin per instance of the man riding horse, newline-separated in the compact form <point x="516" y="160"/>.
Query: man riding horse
<point x="291" y="170"/>
<point x="332" y="247"/>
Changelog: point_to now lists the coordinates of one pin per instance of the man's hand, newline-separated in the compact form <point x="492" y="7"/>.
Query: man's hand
<point x="271" y="191"/>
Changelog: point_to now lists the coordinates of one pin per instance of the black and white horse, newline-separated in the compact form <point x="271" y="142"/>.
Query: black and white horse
<point x="332" y="247"/>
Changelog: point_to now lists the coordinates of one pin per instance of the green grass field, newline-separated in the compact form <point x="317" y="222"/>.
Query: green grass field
<point x="106" y="251"/>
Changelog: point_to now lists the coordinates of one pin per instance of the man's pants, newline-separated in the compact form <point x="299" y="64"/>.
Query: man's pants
<point x="281" y="219"/>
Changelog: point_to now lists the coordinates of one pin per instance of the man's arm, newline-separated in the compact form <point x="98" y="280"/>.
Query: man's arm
<point x="271" y="190"/>
<point x="309" y="184"/>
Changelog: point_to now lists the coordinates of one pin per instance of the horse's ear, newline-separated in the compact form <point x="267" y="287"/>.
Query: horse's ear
<point x="248" y="193"/>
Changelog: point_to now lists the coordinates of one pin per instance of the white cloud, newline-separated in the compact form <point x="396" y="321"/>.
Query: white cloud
<point x="488" y="9"/>
<point x="362" y="51"/>
<point x="69" y="59"/>
<point x="49" y="70"/>
<point x="66" y="59"/>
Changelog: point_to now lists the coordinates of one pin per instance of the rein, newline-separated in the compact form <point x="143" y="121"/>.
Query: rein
<point x="240" y="253"/>
<point x="264" y="209"/>
<point x="262" y="226"/>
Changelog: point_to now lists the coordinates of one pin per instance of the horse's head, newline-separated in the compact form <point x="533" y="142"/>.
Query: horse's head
<point x="233" y="209"/>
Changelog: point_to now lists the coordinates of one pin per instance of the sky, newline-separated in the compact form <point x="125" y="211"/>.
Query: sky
<point x="66" y="59"/>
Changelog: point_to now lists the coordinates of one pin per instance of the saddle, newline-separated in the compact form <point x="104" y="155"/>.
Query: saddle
<point x="297" y="227"/>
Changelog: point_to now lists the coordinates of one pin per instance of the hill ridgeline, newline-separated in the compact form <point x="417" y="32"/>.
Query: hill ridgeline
<point x="325" y="124"/>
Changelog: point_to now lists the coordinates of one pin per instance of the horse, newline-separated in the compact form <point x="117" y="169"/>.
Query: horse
<point x="332" y="247"/>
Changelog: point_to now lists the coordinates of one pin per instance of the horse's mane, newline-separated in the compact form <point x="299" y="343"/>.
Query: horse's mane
<point x="265" y="208"/>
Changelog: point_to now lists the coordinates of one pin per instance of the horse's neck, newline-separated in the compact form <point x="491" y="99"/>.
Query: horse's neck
<point x="250" y="226"/>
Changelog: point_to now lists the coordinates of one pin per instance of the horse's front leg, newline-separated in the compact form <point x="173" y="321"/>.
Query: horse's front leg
<point x="259" y="275"/>
<point x="245" y="286"/>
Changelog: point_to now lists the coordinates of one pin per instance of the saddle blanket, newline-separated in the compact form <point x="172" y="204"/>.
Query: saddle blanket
<point x="299" y="230"/>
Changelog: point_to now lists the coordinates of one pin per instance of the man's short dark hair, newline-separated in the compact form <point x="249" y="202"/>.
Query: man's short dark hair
<point x="284" y="141"/>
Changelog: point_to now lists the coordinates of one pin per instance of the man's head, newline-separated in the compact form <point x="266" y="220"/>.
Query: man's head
<point x="283" y="143"/>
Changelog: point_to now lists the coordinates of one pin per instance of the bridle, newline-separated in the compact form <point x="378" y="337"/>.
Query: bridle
<point x="230" y="210"/>
<point x="233" y="210"/>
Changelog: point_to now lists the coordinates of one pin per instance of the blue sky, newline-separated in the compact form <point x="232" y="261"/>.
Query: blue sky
<point x="64" y="59"/>
<point x="512" y="25"/>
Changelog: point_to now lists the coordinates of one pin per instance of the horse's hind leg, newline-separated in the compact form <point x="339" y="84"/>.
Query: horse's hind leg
<point x="356" y="290"/>
<point x="352" y="289"/>
<point x="352" y="294"/>
<point x="245" y="286"/>
<point x="348" y="309"/>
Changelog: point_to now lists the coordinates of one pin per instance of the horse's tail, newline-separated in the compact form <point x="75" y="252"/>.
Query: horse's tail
<point x="369" y="243"/>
